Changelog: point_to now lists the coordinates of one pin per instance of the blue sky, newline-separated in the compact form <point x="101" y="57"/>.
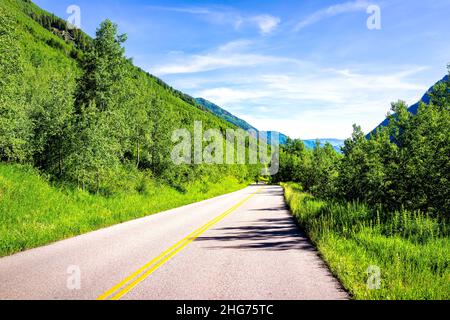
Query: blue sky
<point x="309" y="69"/>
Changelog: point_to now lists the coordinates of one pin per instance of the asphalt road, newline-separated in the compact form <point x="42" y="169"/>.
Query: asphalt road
<point x="244" y="245"/>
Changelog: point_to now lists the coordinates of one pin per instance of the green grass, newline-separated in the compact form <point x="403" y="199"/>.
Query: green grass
<point x="33" y="212"/>
<point x="411" y="249"/>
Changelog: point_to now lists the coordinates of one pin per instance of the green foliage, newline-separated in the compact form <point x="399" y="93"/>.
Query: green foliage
<point x="384" y="202"/>
<point x="34" y="212"/>
<point x="87" y="115"/>
<point x="402" y="166"/>
<point x="315" y="170"/>
<point x="412" y="250"/>
<point x="91" y="131"/>
<point x="57" y="26"/>
<point x="208" y="105"/>
<point x="15" y="123"/>
<point x="98" y="124"/>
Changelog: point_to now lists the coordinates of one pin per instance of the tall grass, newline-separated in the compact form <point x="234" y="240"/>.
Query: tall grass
<point x="411" y="250"/>
<point x="34" y="212"/>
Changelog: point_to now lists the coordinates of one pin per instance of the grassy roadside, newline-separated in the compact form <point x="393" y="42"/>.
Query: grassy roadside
<point x="411" y="250"/>
<point x="35" y="213"/>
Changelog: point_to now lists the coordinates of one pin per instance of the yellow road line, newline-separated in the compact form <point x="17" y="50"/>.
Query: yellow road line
<point x="146" y="266"/>
<point x="126" y="285"/>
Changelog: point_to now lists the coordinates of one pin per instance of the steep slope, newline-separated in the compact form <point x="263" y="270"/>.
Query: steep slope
<point x="42" y="34"/>
<point x="413" y="109"/>
<point x="68" y="167"/>
<point x="282" y="137"/>
<point x="47" y="61"/>
<point x="224" y="114"/>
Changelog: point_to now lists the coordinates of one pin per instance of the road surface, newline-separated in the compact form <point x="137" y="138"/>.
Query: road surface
<point x="243" y="245"/>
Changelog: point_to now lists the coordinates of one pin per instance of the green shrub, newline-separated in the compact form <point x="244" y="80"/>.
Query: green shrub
<point x="34" y="212"/>
<point x="412" y="250"/>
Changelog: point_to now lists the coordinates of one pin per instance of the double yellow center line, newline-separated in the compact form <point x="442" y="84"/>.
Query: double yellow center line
<point x="126" y="285"/>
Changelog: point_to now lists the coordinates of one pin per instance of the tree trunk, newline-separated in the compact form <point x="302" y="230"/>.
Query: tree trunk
<point x="138" y="154"/>
<point x="97" y="182"/>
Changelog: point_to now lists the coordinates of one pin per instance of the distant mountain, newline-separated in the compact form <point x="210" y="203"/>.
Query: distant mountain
<point x="282" y="138"/>
<point x="336" y="143"/>
<point x="414" y="108"/>
<point x="224" y="114"/>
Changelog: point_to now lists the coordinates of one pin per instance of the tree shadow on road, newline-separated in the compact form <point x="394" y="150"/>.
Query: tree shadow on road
<point x="264" y="234"/>
<point x="271" y="191"/>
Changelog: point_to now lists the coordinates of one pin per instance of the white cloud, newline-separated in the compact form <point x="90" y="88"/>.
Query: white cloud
<point x="266" y="23"/>
<point x="332" y="11"/>
<point x="190" y="10"/>
<point x="265" y="82"/>
<point x="209" y="62"/>
<point x="224" y="15"/>
<point x="307" y="104"/>
<point x="339" y="86"/>
<point x="304" y="127"/>
<point x="298" y="98"/>
<point x="224" y="96"/>
<point x="229" y="55"/>
<point x="237" y="45"/>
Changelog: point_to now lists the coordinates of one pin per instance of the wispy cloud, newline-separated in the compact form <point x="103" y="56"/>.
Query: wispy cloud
<point x="331" y="11"/>
<point x="230" y="55"/>
<point x="227" y="95"/>
<point x="305" y="84"/>
<point x="265" y="23"/>
<point x="279" y="90"/>
<point x="209" y="62"/>
<point x="306" y="101"/>
<point x="191" y="10"/>
<point x="311" y="84"/>
<point x="271" y="91"/>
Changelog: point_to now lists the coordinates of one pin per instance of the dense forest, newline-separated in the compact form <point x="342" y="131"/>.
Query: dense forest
<point x="404" y="165"/>
<point x="86" y="142"/>
<point x="86" y="136"/>
<point x="380" y="209"/>
<point x="78" y="110"/>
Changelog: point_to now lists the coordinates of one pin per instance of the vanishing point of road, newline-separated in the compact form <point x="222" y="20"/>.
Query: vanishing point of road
<point x="243" y="245"/>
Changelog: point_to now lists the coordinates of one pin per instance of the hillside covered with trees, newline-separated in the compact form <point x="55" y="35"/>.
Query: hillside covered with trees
<point x="86" y="142"/>
<point x="384" y="202"/>
<point x="77" y="111"/>
<point x="80" y="111"/>
<point x="402" y="165"/>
